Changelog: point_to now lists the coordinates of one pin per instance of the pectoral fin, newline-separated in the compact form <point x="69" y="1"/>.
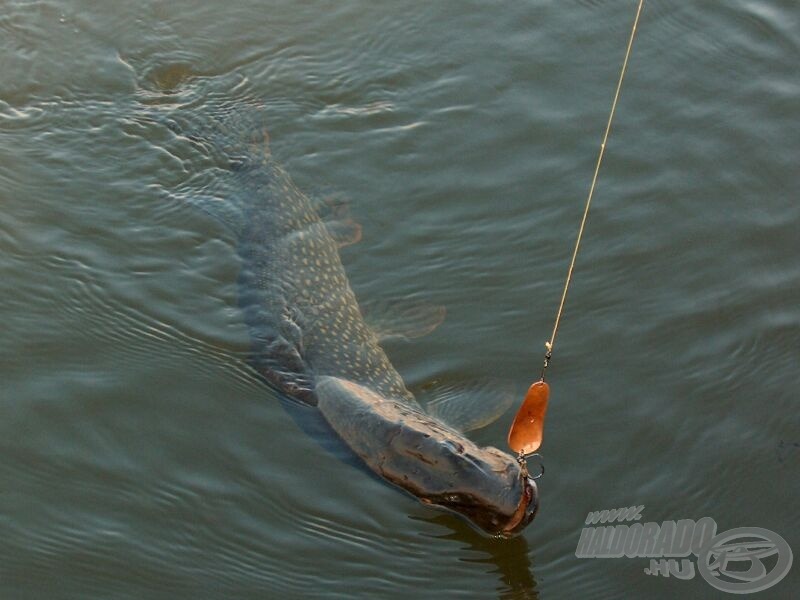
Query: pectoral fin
<point x="470" y="405"/>
<point x="402" y="320"/>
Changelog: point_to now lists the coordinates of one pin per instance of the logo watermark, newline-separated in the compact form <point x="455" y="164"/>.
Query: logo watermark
<point x="739" y="561"/>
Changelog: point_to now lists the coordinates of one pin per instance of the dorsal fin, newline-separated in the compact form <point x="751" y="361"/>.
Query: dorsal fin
<point x="344" y="232"/>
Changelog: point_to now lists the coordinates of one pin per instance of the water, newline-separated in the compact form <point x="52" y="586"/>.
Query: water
<point x="140" y="456"/>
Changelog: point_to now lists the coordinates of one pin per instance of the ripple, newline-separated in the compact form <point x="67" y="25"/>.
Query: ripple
<point x="141" y="454"/>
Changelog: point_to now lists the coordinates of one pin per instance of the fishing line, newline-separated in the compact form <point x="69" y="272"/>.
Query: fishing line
<point x="549" y="344"/>
<point x="525" y="435"/>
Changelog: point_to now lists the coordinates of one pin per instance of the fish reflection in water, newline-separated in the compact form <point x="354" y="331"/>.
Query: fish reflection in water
<point x="509" y="558"/>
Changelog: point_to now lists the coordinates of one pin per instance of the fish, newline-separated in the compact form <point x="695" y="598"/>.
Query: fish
<point x="311" y="341"/>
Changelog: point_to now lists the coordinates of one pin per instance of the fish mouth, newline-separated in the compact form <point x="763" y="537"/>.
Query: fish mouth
<point x="488" y="518"/>
<point x="526" y="509"/>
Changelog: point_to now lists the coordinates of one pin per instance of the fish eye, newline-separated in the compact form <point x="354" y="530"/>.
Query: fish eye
<point x="455" y="446"/>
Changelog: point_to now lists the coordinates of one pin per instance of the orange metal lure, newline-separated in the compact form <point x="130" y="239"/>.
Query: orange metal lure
<point x="525" y="435"/>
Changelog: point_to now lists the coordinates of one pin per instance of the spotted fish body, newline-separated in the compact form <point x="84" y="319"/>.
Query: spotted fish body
<point x="311" y="342"/>
<point x="303" y="315"/>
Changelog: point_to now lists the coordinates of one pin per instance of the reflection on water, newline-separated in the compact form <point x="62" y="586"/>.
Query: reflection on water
<point x="508" y="559"/>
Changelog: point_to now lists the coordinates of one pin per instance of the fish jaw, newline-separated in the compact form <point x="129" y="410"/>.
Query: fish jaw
<point x="436" y="464"/>
<point x="526" y="510"/>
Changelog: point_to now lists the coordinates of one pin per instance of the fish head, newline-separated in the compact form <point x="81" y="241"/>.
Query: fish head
<point x="444" y="469"/>
<point x="435" y="463"/>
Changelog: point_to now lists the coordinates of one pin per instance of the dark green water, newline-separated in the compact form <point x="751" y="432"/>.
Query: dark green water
<point x="139" y="455"/>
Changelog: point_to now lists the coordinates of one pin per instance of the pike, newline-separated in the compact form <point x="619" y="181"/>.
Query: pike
<point x="311" y="342"/>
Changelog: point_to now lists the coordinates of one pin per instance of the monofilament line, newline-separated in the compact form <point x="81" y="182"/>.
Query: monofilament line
<point x="549" y="345"/>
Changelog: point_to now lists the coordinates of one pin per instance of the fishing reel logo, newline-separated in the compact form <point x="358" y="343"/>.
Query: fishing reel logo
<point x="739" y="561"/>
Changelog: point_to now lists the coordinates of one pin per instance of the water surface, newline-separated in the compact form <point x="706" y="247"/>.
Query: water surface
<point x="139" y="455"/>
